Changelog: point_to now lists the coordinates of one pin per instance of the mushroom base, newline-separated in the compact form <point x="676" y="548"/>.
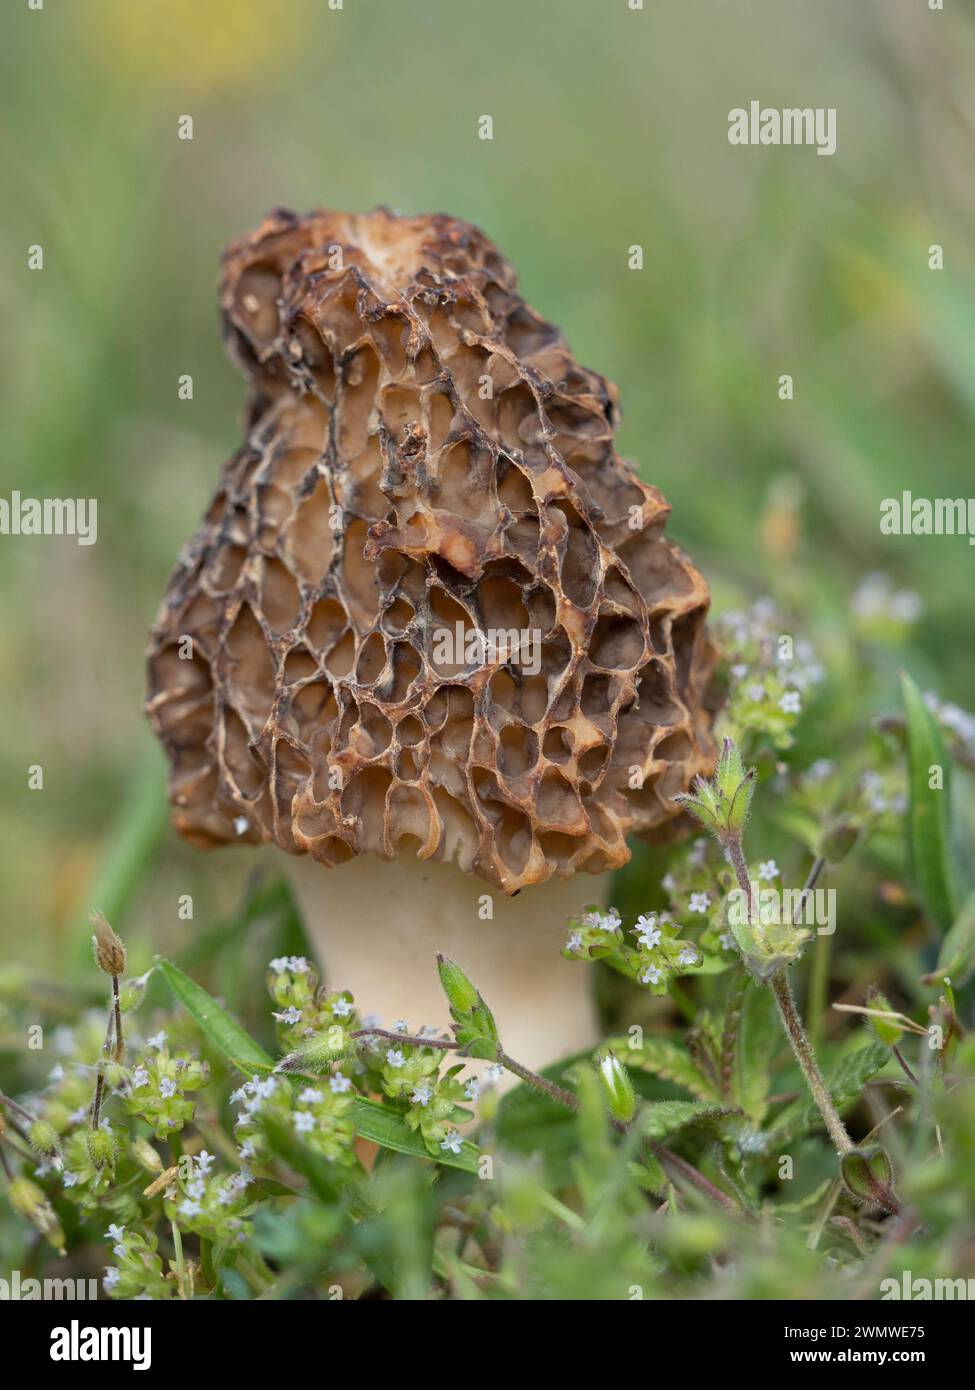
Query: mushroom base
<point x="376" y="929"/>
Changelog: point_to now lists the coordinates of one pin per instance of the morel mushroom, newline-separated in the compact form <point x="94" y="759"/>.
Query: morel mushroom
<point x="429" y="616"/>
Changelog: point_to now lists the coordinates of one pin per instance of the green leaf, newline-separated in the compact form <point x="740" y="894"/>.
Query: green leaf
<point x="844" y="1082"/>
<point x="383" y="1126"/>
<point x="957" y="956"/>
<point x="216" y="1024"/>
<point x="659" y="1118"/>
<point x="929" y="819"/>
<point x="666" y="1058"/>
<point x="372" y="1120"/>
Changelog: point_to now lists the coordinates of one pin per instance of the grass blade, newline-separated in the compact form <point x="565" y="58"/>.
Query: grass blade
<point x="929" y="814"/>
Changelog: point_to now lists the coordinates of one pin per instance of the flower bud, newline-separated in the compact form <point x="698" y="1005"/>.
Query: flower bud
<point x="43" y="1139"/>
<point x="867" y="1174"/>
<point x="146" y="1155"/>
<point x="722" y="803"/>
<point x="131" y="993"/>
<point x="617" y="1088"/>
<point x="28" y="1199"/>
<point x="108" y="947"/>
<point x="886" y="1030"/>
<point x="101" y="1147"/>
<point x="461" y="994"/>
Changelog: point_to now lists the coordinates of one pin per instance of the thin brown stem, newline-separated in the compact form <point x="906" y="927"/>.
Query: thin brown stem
<point x="117" y="1006"/>
<point x="410" y="1039"/>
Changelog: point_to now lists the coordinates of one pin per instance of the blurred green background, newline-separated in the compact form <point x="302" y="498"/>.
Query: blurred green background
<point x="610" y="129"/>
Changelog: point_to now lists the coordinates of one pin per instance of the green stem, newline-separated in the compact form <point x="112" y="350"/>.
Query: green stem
<point x="796" y="1033"/>
<point x="540" y="1083"/>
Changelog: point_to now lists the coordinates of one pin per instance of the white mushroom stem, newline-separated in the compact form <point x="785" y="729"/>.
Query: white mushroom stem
<point x="376" y="929"/>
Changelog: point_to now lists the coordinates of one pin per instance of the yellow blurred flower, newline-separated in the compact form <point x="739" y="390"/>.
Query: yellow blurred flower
<point x="204" y="44"/>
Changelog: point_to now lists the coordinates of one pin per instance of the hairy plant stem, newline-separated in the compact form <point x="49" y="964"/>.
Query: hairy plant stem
<point x="540" y="1083"/>
<point x="796" y="1033"/>
<point x="789" y="1014"/>
<point x="117" y="1006"/>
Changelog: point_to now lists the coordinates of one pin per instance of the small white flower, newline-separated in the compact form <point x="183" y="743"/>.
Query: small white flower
<point x="401" y="1026"/>
<point x="309" y="1096"/>
<point x="189" y="1207"/>
<point x="395" y="1058"/>
<point x="422" y="1094"/>
<point x="574" y="942"/>
<point x="196" y="1187"/>
<point x="648" y="933"/>
<point x="726" y="941"/>
<point x="167" y="1087"/>
<point x="119" y="1252"/>
<point x="241" y="825"/>
<point x="56" y="1073"/>
<point x="451" y="1141"/>
<point x="304" y="1121"/>
<point x="494" y="1072"/>
<point x="239" y="1096"/>
<point x="339" y="1084"/>
<point x="140" y="1077"/>
<point x="651" y="976"/>
<point x="341" y="1008"/>
<point x="112" y="1276"/>
<point x="791" y="702"/>
<point x="158" y="1041"/>
<point x="205" y="1161"/>
<point x="755" y="693"/>
<point x="768" y="869"/>
<point x="473" y="1089"/>
<point x="115" y="1233"/>
<point x="739" y="671"/>
<point x="298" y="965"/>
<point x="70" y="1179"/>
<point x="699" y="902"/>
<point x="820" y="770"/>
<point x="246" y="1149"/>
<point x="687" y="957"/>
<point x="77" y="1116"/>
<point x="289" y="1015"/>
<point x="279" y="965"/>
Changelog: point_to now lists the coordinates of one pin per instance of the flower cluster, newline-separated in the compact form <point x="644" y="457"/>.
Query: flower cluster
<point x="431" y="1102"/>
<point x="657" y="954"/>
<point x="138" y="1270"/>
<point x="312" y="1024"/>
<point x="318" y="1115"/>
<point x="594" y="934"/>
<point x="769" y="674"/>
<point x="882" y="613"/>
<point x="957" y="723"/>
<point x="211" y="1205"/>
<point x="157" y="1086"/>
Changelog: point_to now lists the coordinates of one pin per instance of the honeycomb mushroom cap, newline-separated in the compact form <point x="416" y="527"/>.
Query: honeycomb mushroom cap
<point x="423" y="451"/>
